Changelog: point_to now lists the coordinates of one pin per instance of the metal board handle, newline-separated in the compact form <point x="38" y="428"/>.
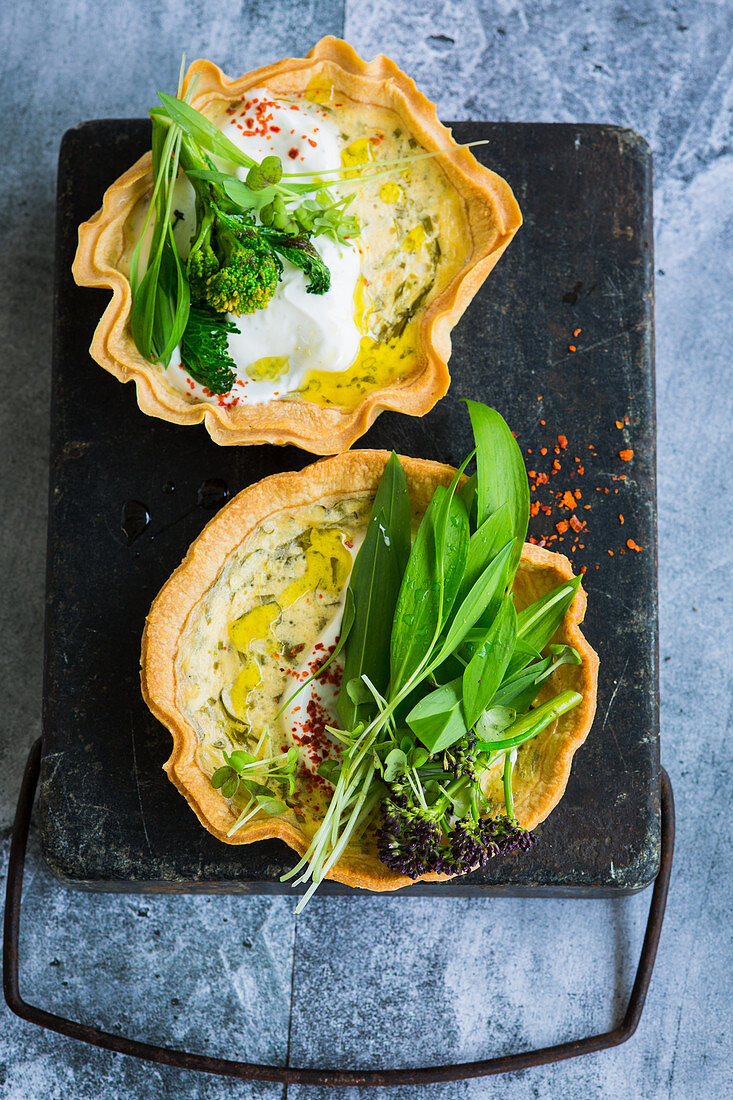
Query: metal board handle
<point x="167" y="1056"/>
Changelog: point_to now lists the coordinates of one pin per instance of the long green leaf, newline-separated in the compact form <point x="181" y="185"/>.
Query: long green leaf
<point x="197" y="126"/>
<point x="374" y="586"/>
<point x="486" y="542"/>
<point x="502" y="477"/>
<point x="427" y="589"/>
<point x="537" y="623"/>
<point x="486" y="668"/>
<point x="438" y="719"/>
<point x="482" y="601"/>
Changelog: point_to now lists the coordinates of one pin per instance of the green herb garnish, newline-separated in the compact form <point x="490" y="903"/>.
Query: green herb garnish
<point x="244" y="228"/>
<point x="441" y="673"/>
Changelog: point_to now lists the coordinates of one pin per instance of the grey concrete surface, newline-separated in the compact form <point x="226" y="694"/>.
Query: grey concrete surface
<point x="388" y="982"/>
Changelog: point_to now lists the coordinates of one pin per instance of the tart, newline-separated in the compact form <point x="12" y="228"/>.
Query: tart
<point x="312" y="371"/>
<point x="247" y="614"/>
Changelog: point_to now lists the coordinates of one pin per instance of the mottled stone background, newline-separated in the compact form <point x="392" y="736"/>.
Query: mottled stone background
<point x="374" y="982"/>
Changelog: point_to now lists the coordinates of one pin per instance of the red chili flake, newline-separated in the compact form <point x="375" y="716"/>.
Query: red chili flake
<point x="275" y="129"/>
<point x="543" y="450"/>
<point x="577" y="524"/>
<point x="293" y="153"/>
<point x="568" y="500"/>
<point x="562" y="526"/>
<point x="626" y="456"/>
<point x="556" y="466"/>
<point x="577" y="332"/>
<point x="312" y="142"/>
<point x="621" y="519"/>
<point x="634" y="545"/>
<point x="562" y="440"/>
<point x="542" y="422"/>
<point x="619" y="423"/>
<point x="534" y="508"/>
<point x="572" y="347"/>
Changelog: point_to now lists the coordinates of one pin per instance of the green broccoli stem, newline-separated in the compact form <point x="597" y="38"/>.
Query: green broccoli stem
<point x="533" y="722"/>
<point x="509" y="759"/>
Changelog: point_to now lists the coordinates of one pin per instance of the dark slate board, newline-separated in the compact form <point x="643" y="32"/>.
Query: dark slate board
<point x="109" y="817"/>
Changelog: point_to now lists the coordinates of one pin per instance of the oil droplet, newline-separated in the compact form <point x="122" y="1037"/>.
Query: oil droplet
<point x="390" y="192"/>
<point x="212" y="493"/>
<point x="135" y="518"/>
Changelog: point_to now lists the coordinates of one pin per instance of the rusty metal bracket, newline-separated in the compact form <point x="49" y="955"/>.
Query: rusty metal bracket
<point x="167" y="1056"/>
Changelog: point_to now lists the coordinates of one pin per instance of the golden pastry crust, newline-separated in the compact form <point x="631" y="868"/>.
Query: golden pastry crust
<point x="493" y="218"/>
<point x="536" y="793"/>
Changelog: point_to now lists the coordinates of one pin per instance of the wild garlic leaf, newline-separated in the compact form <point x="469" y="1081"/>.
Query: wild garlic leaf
<point x="430" y="584"/>
<point x="209" y="136"/>
<point x="486" y="668"/>
<point x="438" y="719"/>
<point x="374" y="586"/>
<point x="537" y="623"/>
<point x="502" y="476"/>
<point x="486" y="542"/>
<point x="521" y="657"/>
<point x="540" y="671"/>
<point x="520" y="690"/>
<point x="482" y="600"/>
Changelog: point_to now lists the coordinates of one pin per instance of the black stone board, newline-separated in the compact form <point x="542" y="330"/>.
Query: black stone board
<point x="109" y="817"/>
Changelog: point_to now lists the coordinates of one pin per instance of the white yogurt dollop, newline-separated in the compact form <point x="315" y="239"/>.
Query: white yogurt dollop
<point x="309" y="331"/>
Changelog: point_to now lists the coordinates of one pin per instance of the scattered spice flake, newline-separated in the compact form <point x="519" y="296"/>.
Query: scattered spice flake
<point x="561" y="526"/>
<point x="634" y="545"/>
<point x="577" y="524"/>
<point x="563" y="441"/>
<point x="568" y="500"/>
<point x="619" y="424"/>
<point x="572" y="347"/>
<point x="577" y="332"/>
<point x="543" y="450"/>
<point x="621" y="519"/>
<point x="626" y="456"/>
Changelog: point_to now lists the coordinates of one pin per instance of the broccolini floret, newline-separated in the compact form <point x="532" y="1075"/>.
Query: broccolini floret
<point x="205" y="350"/>
<point x="230" y="267"/>
<point x="415" y="840"/>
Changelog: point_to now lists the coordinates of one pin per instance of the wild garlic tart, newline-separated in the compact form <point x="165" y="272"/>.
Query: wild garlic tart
<point x="363" y="660"/>
<point x="291" y="258"/>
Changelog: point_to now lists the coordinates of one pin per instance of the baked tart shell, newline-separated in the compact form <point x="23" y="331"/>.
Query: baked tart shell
<point x="492" y="214"/>
<point x="535" y="794"/>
